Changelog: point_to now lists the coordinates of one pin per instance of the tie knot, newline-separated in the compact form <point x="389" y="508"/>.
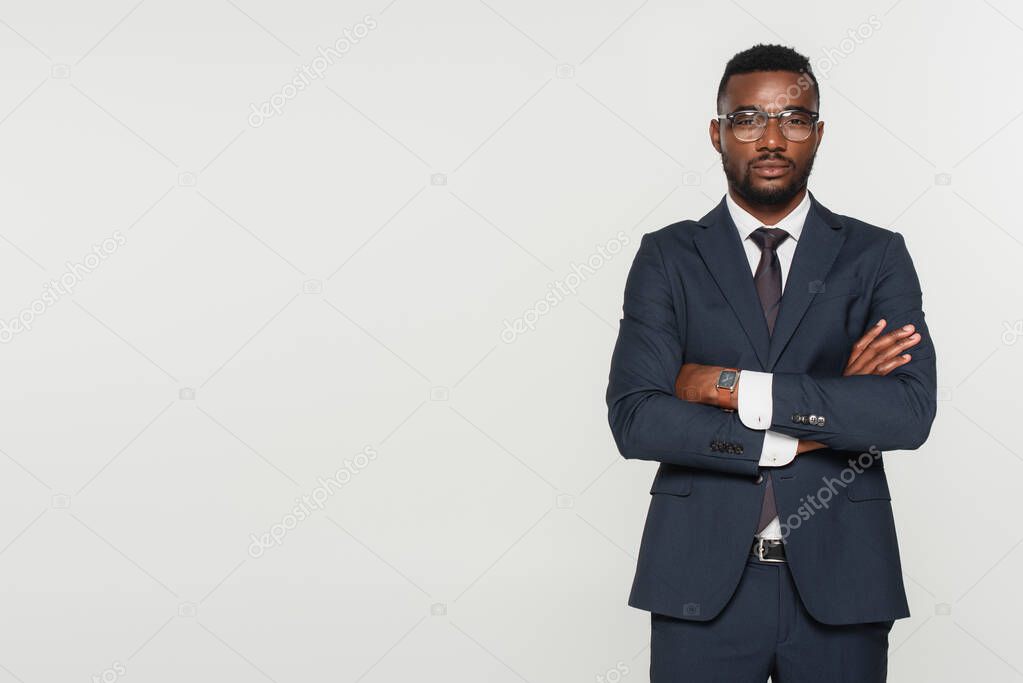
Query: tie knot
<point x="768" y="238"/>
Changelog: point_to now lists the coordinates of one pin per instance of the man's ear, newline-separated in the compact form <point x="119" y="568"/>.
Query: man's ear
<point x="715" y="134"/>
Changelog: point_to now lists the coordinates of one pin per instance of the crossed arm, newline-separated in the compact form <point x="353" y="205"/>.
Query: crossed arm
<point x="873" y="354"/>
<point x="660" y="408"/>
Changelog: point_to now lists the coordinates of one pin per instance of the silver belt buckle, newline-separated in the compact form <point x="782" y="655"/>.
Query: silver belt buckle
<point x="760" y="551"/>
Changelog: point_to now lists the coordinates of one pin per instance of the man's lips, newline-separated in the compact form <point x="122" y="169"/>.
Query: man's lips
<point x="771" y="169"/>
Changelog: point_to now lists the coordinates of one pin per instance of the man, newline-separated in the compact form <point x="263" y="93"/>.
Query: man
<point x="769" y="547"/>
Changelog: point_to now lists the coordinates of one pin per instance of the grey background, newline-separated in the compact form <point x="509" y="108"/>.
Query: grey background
<point x="336" y="281"/>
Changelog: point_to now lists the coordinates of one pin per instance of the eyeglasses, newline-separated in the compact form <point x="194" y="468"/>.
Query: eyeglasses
<point x="749" y="125"/>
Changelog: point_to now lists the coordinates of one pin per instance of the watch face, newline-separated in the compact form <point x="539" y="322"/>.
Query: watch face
<point x="727" y="379"/>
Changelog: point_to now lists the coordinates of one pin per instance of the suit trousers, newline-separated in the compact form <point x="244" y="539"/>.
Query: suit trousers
<point x="765" y="630"/>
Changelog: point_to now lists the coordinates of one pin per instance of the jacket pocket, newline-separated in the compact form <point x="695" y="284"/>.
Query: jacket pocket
<point x="678" y="481"/>
<point x="871" y="484"/>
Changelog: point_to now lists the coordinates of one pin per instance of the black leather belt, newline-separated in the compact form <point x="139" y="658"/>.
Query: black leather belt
<point x="768" y="549"/>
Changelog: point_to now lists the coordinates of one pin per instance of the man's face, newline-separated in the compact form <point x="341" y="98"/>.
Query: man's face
<point x="752" y="168"/>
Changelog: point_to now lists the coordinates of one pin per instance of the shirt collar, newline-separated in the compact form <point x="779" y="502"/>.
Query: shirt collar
<point x="747" y="222"/>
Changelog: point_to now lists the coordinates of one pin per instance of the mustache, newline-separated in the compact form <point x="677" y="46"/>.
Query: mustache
<point x="772" y="158"/>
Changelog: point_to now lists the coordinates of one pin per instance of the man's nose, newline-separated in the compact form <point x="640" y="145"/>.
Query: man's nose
<point x="772" y="139"/>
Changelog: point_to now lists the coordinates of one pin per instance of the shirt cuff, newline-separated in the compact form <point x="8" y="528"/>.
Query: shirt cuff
<point x="756" y="400"/>
<point x="778" y="450"/>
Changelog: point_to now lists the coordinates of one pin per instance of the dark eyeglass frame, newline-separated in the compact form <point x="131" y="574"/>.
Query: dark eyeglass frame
<point x="782" y="116"/>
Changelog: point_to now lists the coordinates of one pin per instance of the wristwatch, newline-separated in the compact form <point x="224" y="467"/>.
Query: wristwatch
<point x="725" y="387"/>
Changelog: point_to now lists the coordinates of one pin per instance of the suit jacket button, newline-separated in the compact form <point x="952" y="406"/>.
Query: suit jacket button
<point x="739" y="449"/>
<point x="820" y="420"/>
<point x="795" y="417"/>
<point x="813" y="419"/>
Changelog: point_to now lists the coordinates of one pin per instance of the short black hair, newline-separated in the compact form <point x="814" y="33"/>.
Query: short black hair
<point x="762" y="57"/>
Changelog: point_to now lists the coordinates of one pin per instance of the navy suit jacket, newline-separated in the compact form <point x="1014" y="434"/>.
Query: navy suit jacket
<point x="690" y="297"/>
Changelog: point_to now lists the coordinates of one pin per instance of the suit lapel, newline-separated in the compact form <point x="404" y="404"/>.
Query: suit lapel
<point x="818" y="245"/>
<point x="721" y="250"/>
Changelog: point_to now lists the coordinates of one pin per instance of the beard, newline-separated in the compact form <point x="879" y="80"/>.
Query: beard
<point x="775" y="194"/>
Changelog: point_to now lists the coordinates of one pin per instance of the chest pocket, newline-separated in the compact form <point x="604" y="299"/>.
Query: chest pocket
<point x="838" y="287"/>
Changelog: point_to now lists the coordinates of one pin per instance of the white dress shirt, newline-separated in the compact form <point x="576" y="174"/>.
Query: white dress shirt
<point x="756" y="401"/>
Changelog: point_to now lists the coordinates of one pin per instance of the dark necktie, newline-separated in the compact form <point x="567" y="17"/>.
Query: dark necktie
<point x="768" y="282"/>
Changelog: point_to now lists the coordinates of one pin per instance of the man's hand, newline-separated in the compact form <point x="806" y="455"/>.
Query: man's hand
<point x="879" y="356"/>
<point x="874" y="356"/>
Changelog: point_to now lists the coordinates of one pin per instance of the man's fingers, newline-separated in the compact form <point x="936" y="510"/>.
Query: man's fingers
<point x="878" y="355"/>
<point x="869" y="344"/>
<point x="888" y="366"/>
<point x="882" y="349"/>
<point x="865" y="340"/>
<point x="892" y="338"/>
<point x="882" y="364"/>
<point x="894" y="347"/>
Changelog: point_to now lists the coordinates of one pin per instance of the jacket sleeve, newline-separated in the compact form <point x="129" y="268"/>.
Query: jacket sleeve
<point x="647" y="420"/>
<point x="892" y="412"/>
